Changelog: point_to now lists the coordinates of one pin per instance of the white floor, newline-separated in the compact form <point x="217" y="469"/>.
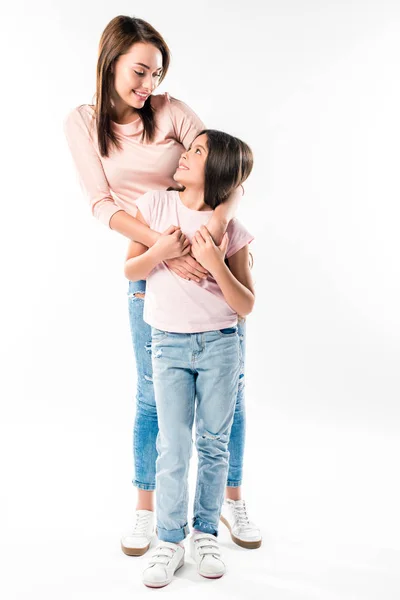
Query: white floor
<point x="327" y="501"/>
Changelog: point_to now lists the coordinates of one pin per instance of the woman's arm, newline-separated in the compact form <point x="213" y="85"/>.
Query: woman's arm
<point x="235" y="282"/>
<point x="224" y="213"/>
<point x="94" y="182"/>
<point x="133" y="229"/>
<point x="140" y="261"/>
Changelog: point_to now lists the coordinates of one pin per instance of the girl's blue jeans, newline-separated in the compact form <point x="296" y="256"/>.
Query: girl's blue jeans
<point x="145" y="429"/>
<point x="193" y="374"/>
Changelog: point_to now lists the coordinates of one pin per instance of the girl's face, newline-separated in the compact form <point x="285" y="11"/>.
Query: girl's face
<point x="136" y="74"/>
<point x="190" y="171"/>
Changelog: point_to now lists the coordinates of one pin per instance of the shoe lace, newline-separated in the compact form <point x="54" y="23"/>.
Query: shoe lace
<point x="141" y="525"/>
<point x="240" y="513"/>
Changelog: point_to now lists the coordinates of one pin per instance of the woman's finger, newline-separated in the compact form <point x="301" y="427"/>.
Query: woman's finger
<point x="193" y="262"/>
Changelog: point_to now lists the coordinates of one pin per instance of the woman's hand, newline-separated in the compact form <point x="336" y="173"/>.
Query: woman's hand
<point x="187" y="268"/>
<point x="206" y="252"/>
<point x="171" y="244"/>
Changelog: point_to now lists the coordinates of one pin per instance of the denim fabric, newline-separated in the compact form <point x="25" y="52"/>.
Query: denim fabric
<point x="195" y="376"/>
<point x="145" y="428"/>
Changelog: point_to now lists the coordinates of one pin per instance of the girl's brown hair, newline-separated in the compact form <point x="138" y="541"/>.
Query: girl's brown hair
<point x="117" y="38"/>
<point x="229" y="163"/>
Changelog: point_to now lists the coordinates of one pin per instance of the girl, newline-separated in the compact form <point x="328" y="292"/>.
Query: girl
<point x="195" y="345"/>
<point x="130" y="142"/>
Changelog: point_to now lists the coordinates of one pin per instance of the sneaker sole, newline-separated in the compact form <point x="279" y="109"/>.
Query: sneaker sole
<point x="161" y="585"/>
<point x="134" y="551"/>
<point x="212" y="576"/>
<point x="241" y="543"/>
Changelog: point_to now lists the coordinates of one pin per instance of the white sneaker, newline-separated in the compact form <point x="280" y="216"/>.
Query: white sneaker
<point x="243" y="532"/>
<point x="167" y="558"/>
<point x="138" y="541"/>
<point x="207" y="556"/>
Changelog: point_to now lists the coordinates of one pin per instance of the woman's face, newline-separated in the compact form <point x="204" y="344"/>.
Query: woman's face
<point x="136" y="74"/>
<point x="192" y="163"/>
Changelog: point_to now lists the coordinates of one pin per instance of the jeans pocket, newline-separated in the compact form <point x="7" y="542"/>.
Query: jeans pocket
<point x="157" y="335"/>
<point x="227" y="331"/>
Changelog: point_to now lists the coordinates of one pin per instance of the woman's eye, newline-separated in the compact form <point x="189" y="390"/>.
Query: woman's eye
<point x="157" y="75"/>
<point x="137" y="72"/>
<point x="198" y="150"/>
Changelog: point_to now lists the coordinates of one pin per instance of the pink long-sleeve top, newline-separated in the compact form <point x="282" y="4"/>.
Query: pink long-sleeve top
<point x="114" y="183"/>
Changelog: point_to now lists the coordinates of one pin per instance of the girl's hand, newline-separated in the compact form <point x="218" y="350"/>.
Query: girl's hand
<point x="187" y="268"/>
<point x="206" y="252"/>
<point x="171" y="243"/>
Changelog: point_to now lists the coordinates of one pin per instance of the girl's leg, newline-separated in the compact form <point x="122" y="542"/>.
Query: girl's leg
<point x="217" y="365"/>
<point x="146" y="425"/>
<point x="174" y="384"/>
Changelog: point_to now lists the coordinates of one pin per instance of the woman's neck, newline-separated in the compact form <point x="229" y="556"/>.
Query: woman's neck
<point x="194" y="199"/>
<point x="122" y="113"/>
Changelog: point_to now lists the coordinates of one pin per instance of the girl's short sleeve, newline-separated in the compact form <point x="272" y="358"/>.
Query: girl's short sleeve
<point x="238" y="237"/>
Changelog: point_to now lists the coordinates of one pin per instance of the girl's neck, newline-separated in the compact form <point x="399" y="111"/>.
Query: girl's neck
<point x="193" y="198"/>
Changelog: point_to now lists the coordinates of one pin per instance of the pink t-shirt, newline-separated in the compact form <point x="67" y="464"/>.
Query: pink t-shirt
<point x="113" y="183"/>
<point x="175" y="304"/>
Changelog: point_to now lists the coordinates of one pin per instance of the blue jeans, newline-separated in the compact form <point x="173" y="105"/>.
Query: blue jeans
<point x="145" y="428"/>
<point x="193" y="371"/>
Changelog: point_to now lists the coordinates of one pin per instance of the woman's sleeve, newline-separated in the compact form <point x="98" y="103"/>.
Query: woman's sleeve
<point x="89" y="167"/>
<point x="185" y="122"/>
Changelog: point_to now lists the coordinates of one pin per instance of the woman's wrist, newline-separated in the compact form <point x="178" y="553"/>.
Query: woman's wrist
<point x="153" y="236"/>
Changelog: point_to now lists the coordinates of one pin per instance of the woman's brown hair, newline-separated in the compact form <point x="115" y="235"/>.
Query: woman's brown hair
<point x="117" y="38"/>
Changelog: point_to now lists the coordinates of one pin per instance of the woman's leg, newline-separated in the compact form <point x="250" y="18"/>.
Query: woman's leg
<point x="244" y="532"/>
<point x="137" y="542"/>
<point x="238" y="431"/>
<point x="146" y="425"/>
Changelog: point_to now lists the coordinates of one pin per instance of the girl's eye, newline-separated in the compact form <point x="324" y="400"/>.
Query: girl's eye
<point x="198" y="150"/>
<point x="137" y="72"/>
<point x="158" y="75"/>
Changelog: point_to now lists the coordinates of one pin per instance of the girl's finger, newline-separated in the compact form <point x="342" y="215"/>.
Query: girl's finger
<point x="202" y="236"/>
<point x="205" y="233"/>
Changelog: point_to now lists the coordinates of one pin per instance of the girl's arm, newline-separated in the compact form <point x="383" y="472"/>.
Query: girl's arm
<point x="236" y="281"/>
<point x="140" y="261"/>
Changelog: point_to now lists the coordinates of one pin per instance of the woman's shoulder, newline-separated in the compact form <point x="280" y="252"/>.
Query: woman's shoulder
<point x="82" y="114"/>
<point x="170" y="103"/>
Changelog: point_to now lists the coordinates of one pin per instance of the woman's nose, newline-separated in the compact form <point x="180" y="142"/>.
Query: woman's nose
<point x="149" y="83"/>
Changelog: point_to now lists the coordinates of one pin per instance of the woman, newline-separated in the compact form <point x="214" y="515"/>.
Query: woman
<point x="130" y="142"/>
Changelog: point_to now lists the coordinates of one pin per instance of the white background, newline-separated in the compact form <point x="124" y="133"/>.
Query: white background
<point x="314" y="88"/>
